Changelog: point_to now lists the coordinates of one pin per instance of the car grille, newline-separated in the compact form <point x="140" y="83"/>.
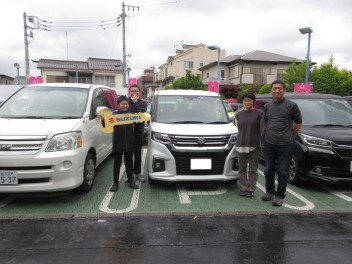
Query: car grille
<point x="21" y="143"/>
<point x="344" y="152"/>
<point x="183" y="162"/>
<point x="203" y="141"/>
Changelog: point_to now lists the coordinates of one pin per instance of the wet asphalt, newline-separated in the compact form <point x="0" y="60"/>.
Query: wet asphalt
<point x="238" y="238"/>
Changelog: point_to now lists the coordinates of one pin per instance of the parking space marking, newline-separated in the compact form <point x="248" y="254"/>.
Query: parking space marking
<point x="184" y="192"/>
<point x="341" y="194"/>
<point x="309" y="205"/>
<point x="104" y="206"/>
<point x="8" y="199"/>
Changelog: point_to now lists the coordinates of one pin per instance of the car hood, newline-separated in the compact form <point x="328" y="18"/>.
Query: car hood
<point x="194" y="129"/>
<point x="339" y="135"/>
<point x="36" y="127"/>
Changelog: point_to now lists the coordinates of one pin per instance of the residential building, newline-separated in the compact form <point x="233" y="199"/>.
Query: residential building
<point x="6" y="80"/>
<point x="145" y="80"/>
<point x="256" y="67"/>
<point x="95" y="70"/>
<point x="191" y="57"/>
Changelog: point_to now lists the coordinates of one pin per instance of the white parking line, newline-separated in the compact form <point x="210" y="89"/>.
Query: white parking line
<point x="104" y="206"/>
<point x="184" y="191"/>
<point x="309" y="205"/>
<point x="339" y="194"/>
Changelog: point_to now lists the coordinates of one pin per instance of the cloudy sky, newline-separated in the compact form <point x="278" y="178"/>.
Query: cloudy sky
<point x="159" y="27"/>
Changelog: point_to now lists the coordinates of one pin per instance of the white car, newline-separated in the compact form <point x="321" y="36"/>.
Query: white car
<point x="50" y="138"/>
<point x="191" y="138"/>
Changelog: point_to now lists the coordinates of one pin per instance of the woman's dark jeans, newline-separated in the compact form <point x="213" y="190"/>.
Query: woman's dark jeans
<point x="277" y="159"/>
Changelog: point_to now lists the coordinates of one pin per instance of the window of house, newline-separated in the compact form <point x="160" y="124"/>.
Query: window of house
<point x="280" y="74"/>
<point x="234" y="72"/>
<point x="201" y="64"/>
<point x="222" y="74"/>
<point x="81" y="79"/>
<point x="207" y="74"/>
<point x="105" y="80"/>
<point x="188" y="64"/>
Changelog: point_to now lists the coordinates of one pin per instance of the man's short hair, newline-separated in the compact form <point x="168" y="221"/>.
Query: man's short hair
<point x="135" y="85"/>
<point x="278" y="82"/>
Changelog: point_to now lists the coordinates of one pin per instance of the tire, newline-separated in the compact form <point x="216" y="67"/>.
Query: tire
<point x="151" y="181"/>
<point x="88" y="173"/>
<point x="293" y="172"/>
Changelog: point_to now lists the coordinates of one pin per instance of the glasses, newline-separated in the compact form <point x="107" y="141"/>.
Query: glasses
<point x="134" y="91"/>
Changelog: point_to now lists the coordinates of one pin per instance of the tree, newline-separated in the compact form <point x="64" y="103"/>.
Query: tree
<point x="327" y="78"/>
<point x="189" y="81"/>
<point x="295" y="73"/>
<point x="229" y="90"/>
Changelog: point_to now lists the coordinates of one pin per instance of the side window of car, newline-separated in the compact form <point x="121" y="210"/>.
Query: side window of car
<point x="97" y="100"/>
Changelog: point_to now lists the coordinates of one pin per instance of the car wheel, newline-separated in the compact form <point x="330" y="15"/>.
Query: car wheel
<point x="151" y="181"/>
<point x="293" y="172"/>
<point x="88" y="173"/>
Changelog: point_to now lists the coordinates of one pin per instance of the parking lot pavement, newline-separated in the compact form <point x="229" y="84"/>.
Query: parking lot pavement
<point x="273" y="238"/>
<point x="210" y="198"/>
<point x="204" y="222"/>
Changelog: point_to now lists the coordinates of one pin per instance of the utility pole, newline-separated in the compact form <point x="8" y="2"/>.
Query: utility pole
<point x="124" y="63"/>
<point x="26" y="46"/>
<point x="35" y="25"/>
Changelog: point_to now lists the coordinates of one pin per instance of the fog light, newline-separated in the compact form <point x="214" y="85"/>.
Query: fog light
<point x="235" y="165"/>
<point x="158" y="165"/>
<point x="67" y="164"/>
<point x="318" y="170"/>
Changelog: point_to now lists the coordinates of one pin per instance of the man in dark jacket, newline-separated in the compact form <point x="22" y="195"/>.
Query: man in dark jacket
<point x="123" y="142"/>
<point x="137" y="105"/>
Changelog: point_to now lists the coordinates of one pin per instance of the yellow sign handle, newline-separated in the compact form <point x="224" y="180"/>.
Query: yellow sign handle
<point x="107" y="120"/>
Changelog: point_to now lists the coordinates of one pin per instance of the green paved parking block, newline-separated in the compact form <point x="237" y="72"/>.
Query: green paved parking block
<point x="164" y="198"/>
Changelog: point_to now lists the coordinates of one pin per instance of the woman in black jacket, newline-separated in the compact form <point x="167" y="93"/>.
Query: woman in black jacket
<point x="123" y="142"/>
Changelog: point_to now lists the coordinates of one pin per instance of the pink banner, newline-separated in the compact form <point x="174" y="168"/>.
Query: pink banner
<point x="302" y="88"/>
<point x="132" y="81"/>
<point x="213" y="86"/>
<point x="34" y="80"/>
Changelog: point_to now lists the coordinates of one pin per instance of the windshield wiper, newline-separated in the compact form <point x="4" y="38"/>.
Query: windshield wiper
<point x="328" y="125"/>
<point x="188" y="122"/>
<point x="217" y="122"/>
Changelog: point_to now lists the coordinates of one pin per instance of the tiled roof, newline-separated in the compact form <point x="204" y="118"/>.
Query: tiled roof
<point x="90" y="64"/>
<point x="259" y="55"/>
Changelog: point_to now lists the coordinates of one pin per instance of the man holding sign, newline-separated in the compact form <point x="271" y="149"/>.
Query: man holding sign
<point x="137" y="105"/>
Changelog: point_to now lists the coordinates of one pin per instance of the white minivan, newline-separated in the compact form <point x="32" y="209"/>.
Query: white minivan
<point x="191" y="138"/>
<point x="50" y="138"/>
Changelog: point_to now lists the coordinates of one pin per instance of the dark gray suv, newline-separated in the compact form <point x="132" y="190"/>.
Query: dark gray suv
<point x="323" y="147"/>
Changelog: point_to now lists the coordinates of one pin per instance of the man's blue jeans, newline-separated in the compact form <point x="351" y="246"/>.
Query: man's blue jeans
<point x="277" y="159"/>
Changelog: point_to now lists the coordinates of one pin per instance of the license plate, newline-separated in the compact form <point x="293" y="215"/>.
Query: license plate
<point x="8" y="177"/>
<point x="200" y="164"/>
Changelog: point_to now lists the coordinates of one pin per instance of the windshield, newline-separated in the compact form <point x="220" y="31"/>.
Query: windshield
<point x="332" y="112"/>
<point x="190" y="109"/>
<point x="228" y="107"/>
<point x="46" y="102"/>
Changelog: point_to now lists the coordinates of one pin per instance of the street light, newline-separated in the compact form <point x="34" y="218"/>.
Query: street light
<point x="214" y="47"/>
<point x="17" y="66"/>
<point x="307" y="30"/>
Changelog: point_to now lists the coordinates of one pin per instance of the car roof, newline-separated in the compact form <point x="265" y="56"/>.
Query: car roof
<point x="291" y="95"/>
<point x="186" y="92"/>
<point x="69" y="85"/>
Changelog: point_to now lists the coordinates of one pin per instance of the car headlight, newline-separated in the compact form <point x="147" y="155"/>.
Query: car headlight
<point x="233" y="139"/>
<point x="67" y="141"/>
<point x="309" y="140"/>
<point x="161" y="138"/>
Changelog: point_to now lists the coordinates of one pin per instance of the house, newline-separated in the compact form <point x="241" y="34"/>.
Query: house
<point x="6" y="80"/>
<point x="95" y="70"/>
<point x="191" y="57"/>
<point x="145" y="80"/>
<point x="256" y="67"/>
